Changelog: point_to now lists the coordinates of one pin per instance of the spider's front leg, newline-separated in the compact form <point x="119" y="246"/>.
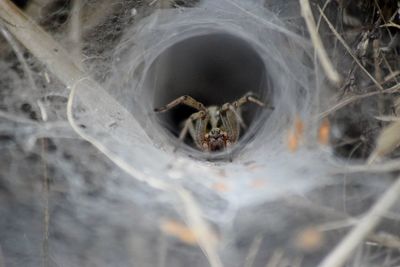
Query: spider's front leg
<point x="231" y="117"/>
<point x="197" y="131"/>
<point x="201" y="118"/>
<point x="234" y="108"/>
<point x="230" y="122"/>
<point x="248" y="98"/>
<point x="186" y="100"/>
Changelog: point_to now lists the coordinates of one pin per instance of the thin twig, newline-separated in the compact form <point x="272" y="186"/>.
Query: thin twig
<point x="384" y="167"/>
<point x="343" y="42"/>
<point x="17" y="119"/>
<point x="391" y="24"/>
<point x="326" y="63"/>
<point x="361" y="231"/>
<point x="315" y="61"/>
<point x="352" y="99"/>
<point x="392" y="75"/>
<point x="376" y="56"/>
<point x="387" y="118"/>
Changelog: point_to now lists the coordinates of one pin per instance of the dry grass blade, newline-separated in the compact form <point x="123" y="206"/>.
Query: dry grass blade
<point x="361" y="231"/>
<point x="391" y="24"/>
<point x="326" y="63"/>
<point x="388" y="140"/>
<point x="387" y="118"/>
<point x="39" y="43"/>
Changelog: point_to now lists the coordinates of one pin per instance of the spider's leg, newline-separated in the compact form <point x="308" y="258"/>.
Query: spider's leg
<point x="200" y="130"/>
<point x="231" y="117"/>
<point x="230" y="123"/>
<point x="186" y="100"/>
<point x="248" y="98"/>
<point x="194" y="132"/>
<point x="236" y="111"/>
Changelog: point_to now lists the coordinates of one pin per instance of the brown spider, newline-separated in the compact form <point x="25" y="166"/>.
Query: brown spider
<point x="224" y="122"/>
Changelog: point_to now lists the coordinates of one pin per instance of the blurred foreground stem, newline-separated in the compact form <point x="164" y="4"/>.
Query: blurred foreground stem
<point x="360" y="232"/>
<point x="40" y="44"/>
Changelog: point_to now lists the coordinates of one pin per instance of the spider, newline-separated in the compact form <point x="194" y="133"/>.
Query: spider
<point x="212" y="128"/>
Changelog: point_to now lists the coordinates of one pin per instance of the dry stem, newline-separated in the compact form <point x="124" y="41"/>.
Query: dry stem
<point x="385" y="240"/>
<point x="326" y="63"/>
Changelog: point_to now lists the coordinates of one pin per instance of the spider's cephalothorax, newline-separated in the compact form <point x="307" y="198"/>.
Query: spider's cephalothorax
<point x="224" y="122"/>
<point x="216" y="140"/>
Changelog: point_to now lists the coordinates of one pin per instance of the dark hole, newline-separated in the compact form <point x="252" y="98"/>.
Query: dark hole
<point x="20" y="3"/>
<point x="214" y="69"/>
